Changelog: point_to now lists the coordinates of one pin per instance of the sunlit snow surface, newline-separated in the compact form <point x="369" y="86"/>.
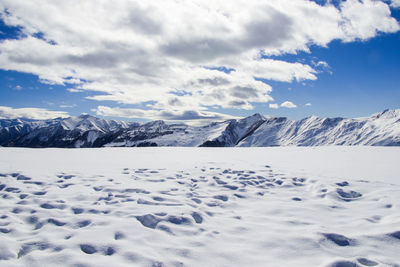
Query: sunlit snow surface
<point x="283" y="206"/>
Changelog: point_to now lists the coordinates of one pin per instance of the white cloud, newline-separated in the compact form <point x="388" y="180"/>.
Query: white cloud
<point x="308" y="105"/>
<point x="277" y="70"/>
<point x="18" y="88"/>
<point x="274" y="106"/>
<point x="288" y="104"/>
<point x="30" y="113"/>
<point x="73" y="90"/>
<point x="366" y="18"/>
<point x="395" y="3"/>
<point x="68" y="106"/>
<point x="132" y="52"/>
<point x="323" y="64"/>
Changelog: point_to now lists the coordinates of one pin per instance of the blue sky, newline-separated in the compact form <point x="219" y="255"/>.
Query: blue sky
<point x="234" y="66"/>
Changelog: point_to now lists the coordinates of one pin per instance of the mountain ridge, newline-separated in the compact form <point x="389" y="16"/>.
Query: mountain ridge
<point x="380" y="129"/>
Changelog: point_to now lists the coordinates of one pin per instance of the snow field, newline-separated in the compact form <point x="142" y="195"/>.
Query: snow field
<point x="326" y="206"/>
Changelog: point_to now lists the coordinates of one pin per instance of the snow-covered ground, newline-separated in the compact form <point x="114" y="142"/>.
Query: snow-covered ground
<point x="277" y="206"/>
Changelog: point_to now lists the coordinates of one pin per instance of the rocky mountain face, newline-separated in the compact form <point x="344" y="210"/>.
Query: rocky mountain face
<point x="82" y="131"/>
<point x="381" y="129"/>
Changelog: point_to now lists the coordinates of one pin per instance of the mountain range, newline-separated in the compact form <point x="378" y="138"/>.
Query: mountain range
<point x="380" y="129"/>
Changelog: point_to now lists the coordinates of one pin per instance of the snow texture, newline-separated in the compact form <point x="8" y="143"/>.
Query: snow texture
<point x="278" y="206"/>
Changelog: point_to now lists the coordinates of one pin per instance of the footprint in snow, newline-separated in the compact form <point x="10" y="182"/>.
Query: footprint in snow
<point x="338" y="239"/>
<point x="348" y="195"/>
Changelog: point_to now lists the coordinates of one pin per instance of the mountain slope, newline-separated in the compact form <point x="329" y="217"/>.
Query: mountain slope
<point x="380" y="129"/>
<point x="236" y="131"/>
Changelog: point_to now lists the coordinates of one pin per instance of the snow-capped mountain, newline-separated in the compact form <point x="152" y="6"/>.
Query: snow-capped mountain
<point x="82" y="131"/>
<point x="381" y="129"/>
<point x="236" y="131"/>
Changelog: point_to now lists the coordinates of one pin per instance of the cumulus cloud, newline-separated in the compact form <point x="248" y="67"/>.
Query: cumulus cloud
<point x="171" y="53"/>
<point x="274" y="106"/>
<point x="277" y="70"/>
<point x="30" y="113"/>
<point x="367" y="19"/>
<point x="288" y="104"/>
<point x="308" y="105"/>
